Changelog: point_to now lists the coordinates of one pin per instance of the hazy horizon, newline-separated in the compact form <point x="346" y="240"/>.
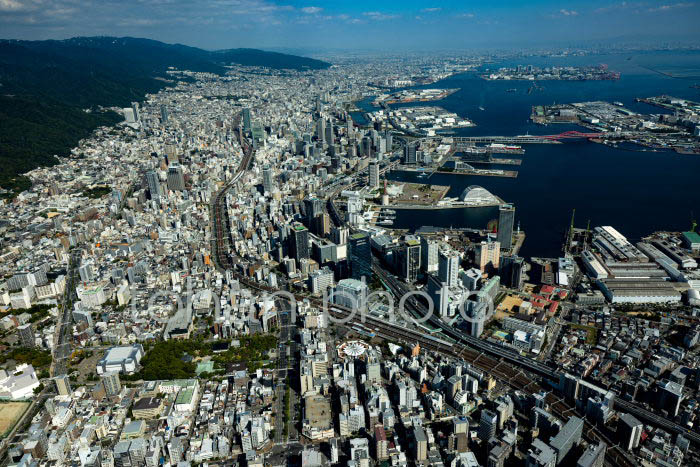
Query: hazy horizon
<point x="332" y="25"/>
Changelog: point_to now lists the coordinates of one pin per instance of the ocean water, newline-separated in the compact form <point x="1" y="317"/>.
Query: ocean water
<point x="637" y="192"/>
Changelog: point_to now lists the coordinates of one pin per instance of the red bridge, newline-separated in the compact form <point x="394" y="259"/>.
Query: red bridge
<point x="572" y="135"/>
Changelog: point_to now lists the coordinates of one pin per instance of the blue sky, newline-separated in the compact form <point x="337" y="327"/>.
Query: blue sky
<point x="384" y="25"/>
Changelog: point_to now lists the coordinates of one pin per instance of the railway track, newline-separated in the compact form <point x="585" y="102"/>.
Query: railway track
<point x="506" y="372"/>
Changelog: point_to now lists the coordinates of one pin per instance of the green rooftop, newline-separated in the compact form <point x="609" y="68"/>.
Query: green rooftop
<point x="185" y="396"/>
<point x="691" y="237"/>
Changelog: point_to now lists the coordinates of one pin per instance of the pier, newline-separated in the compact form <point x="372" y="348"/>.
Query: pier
<point x="466" y="141"/>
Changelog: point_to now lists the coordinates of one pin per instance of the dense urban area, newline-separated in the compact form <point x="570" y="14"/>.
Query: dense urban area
<point x="215" y="280"/>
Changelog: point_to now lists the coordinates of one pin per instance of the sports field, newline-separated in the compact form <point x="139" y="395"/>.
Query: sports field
<point x="10" y="413"/>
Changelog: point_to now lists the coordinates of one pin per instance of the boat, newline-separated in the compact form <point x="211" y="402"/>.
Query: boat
<point x="389" y="211"/>
<point x="386" y="222"/>
<point x="481" y="107"/>
<point x="619" y="104"/>
<point x="511" y="90"/>
<point x="422" y="174"/>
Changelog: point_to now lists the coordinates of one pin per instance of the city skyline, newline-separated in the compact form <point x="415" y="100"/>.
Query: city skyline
<point x="324" y="26"/>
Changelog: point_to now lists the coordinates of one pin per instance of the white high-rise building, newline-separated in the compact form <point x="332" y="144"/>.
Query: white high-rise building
<point x="448" y="267"/>
<point x="267" y="179"/>
<point x="429" y="254"/>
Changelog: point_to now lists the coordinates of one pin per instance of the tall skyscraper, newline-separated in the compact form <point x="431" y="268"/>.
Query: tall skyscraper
<point x="448" y="267"/>
<point x="153" y="182"/>
<point x="320" y="129"/>
<point x="420" y="446"/>
<point x="299" y="242"/>
<point x="328" y="134"/>
<point x="410" y="260"/>
<point x="410" y="154"/>
<point x="111" y="382"/>
<point x="26" y="335"/>
<point x="313" y="207"/>
<point x="428" y="254"/>
<point x="176" y="178"/>
<point x="629" y="431"/>
<point x="373" y="169"/>
<point x="487" y="425"/>
<point x="63" y="385"/>
<point x="366" y="146"/>
<point x="488" y="255"/>
<point x="137" y="111"/>
<point x="339" y="235"/>
<point x="246" y="119"/>
<point x="267" y="179"/>
<point x="506" y="218"/>
<point x="512" y="272"/>
<point x="163" y="114"/>
<point x="360" y="254"/>
<point x="594" y="456"/>
<point x="321" y="225"/>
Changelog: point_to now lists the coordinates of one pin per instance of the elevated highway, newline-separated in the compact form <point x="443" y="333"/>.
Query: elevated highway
<point x="507" y="365"/>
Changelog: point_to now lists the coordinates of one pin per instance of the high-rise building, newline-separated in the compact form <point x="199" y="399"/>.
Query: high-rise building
<point x="299" y="247"/>
<point x="629" y="431"/>
<point x="137" y="111"/>
<point x="86" y="272"/>
<point x="267" y="179"/>
<point x="476" y="312"/>
<point x="540" y="454"/>
<point x="321" y="280"/>
<point x="335" y="451"/>
<point x="328" y="135"/>
<point x="111" y="383"/>
<point x="350" y="293"/>
<point x="320" y="129"/>
<point x="410" y="154"/>
<point x="506" y="218"/>
<point x="594" y="456"/>
<point x="313" y="207"/>
<point x="176" y="178"/>
<point x="670" y="397"/>
<point x="360" y="255"/>
<point x="163" y="114"/>
<point x="487" y="425"/>
<point x="420" y="447"/>
<point x="569" y="435"/>
<point x="487" y="256"/>
<point x="366" y="146"/>
<point x="389" y="140"/>
<point x="359" y="451"/>
<point x="511" y="271"/>
<point x="448" y="267"/>
<point x="153" y="183"/>
<point x="410" y="260"/>
<point x="381" y="443"/>
<point x="26" y="335"/>
<point x="339" y="235"/>
<point x="321" y="225"/>
<point x="373" y="169"/>
<point x="246" y="119"/>
<point x="63" y="385"/>
<point x="428" y="255"/>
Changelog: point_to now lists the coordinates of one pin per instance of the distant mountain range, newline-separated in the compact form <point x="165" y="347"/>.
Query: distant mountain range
<point x="44" y="85"/>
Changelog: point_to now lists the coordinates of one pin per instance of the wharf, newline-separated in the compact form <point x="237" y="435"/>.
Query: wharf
<point x="482" y="172"/>
<point x="521" y="139"/>
<point x="496" y="160"/>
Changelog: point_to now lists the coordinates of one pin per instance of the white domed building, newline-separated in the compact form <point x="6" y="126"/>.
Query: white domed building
<point x="475" y="195"/>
